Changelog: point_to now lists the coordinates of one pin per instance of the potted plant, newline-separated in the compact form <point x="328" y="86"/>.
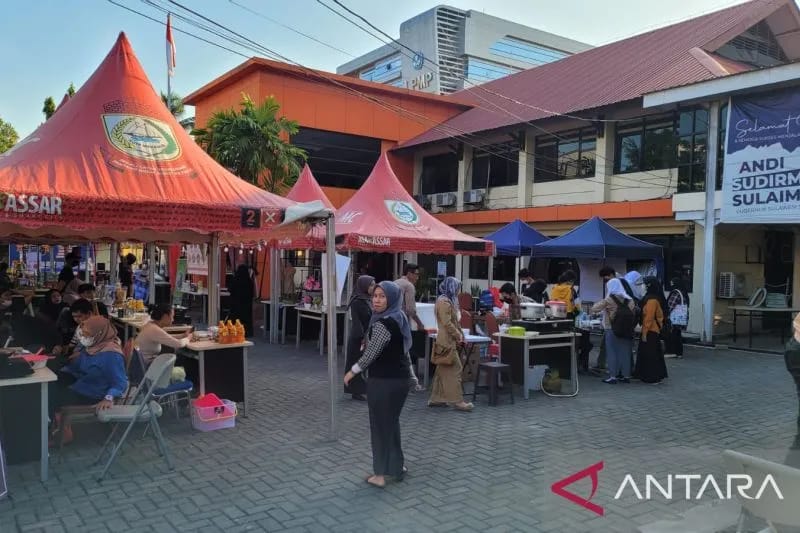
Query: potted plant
<point x="317" y="302"/>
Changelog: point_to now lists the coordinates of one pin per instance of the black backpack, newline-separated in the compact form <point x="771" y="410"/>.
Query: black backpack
<point x="624" y="321"/>
<point x="637" y="303"/>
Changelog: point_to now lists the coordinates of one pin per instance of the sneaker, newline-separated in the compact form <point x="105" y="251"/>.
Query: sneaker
<point x="610" y="381"/>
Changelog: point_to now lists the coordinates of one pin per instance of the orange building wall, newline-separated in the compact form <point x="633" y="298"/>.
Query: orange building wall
<point x="320" y="105"/>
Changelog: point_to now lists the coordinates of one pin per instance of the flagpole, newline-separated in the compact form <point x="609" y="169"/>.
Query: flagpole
<point x="170" y="61"/>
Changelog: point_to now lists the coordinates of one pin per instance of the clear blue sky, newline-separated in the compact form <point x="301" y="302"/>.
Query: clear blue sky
<point x="46" y="44"/>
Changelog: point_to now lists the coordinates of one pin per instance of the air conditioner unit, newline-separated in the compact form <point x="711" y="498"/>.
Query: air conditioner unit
<point x="730" y="285"/>
<point x="444" y="199"/>
<point x="474" y="197"/>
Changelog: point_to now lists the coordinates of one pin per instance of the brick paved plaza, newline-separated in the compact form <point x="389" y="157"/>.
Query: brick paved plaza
<point x="489" y="470"/>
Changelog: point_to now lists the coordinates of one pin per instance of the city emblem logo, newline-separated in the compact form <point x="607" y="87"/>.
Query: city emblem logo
<point x="403" y="212"/>
<point x="141" y="137"/>
<point x="418" y="60"/>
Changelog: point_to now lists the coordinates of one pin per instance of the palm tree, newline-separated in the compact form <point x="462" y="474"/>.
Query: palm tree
<point x="252" y="144"/>
<point x="175" y="104"/>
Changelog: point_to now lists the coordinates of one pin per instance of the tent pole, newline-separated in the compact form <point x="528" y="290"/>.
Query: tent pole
<point x="213" y="280"/>
<point x="333" y="366"/>
<point x="151" y="273"/>
<point x="516" y="274"/>
<point x="491" y="270"/>
<point x="274" y="294"/>
<point x="114" y="264"/>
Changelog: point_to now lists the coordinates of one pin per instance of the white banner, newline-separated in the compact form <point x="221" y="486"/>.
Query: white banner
<point x="197" y="259"/>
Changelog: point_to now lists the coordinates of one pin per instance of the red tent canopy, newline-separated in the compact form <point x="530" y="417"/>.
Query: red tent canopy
<point x="307" y="189"/>
<point x="383" y="217"/>
<point x="113" y="163"/>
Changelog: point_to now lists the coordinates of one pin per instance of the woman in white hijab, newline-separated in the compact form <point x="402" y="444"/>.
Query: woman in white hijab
<point x="618" y="349"/>
<point x="636" y="283"/>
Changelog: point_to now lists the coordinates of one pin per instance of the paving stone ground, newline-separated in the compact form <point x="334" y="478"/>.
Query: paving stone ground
<point x="489" y="470"/>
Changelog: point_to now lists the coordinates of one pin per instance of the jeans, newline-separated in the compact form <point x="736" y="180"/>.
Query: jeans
<point x="618" y="354"/>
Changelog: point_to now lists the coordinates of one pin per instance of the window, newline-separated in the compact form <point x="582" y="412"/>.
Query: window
<point x="648" y="145"/>
<point x="692" y="143"/>
<point x="504" y="268"/>
<point x="482" y="71"/>
<point x="525" y="52"/>
<point x="723" y="129"/>
<point x="383" y="71"/>
<point x="338" y="159"/>
<point x="439" y="174"/>
<point x="495" y="166"/>
<point x="570" y="155"/>
<point x="758" y="47"/>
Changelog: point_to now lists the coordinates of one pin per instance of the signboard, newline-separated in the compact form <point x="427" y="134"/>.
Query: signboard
<point x="761" y="175"/>
<point x="342" y="266"/>
<point x="180" y="275"/>
<point x="197" y="259"/>
<point x="441" y="269"/>
<point x="251" y="217"/>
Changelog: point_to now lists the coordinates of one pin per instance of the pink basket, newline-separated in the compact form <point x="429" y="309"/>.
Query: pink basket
<point x="213" y="417"/>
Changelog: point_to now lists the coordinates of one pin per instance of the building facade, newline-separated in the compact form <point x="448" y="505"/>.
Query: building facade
<point x="446" y="49"/>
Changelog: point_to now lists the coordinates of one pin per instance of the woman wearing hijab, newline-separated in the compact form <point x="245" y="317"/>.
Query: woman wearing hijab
<point x="389" y="377"/>
<point x="52" y="306"/>
<point x="360" y="314"/>
<point x="650" y="365"/>
<point x="446" y="389"/>
<point x="677" y="296"/>
<point x="242" y="294"/>
<point x="95" y="376"/>
<point x="618" y="349"/>
<point x="634" y="285"/>
<point x="537" y="291"/>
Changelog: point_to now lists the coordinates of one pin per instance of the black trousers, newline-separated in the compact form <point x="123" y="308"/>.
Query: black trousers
<point x="417" y="351"/>
<point x="385" y="400"/>
<point x="674" y="342"/>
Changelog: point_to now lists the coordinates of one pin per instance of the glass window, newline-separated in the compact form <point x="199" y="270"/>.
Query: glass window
<point x="658" y="150"/>
<point x="439" y="174"/>
<point x="483" y="71"/>
<point x="504" y="268"/>
<point x="384" y="71"/>
<point x="723" y="128"/>
<point x="630" y="152"/>
<point x="651" y="144"/>
<point x="495" y="166"/>
<point x="569" y="155"/>
<point x="338" y="159"/>
<point x="525" y="52"/>
<point x="692" y="147"/>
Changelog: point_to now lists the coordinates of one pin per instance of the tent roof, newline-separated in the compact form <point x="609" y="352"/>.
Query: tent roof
<point x="597" y="239"/>
<point x="307" y="189"/>
<point x="113" y="163"/>
<point x="382" y="217"/>
<point x="515" y="238"/>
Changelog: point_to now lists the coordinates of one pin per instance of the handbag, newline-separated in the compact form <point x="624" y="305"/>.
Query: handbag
<point x="679" y="316"/>
<point x="442" y="356"/>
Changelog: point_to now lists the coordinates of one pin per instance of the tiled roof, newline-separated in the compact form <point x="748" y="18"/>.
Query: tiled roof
<point x="678" y="54"/>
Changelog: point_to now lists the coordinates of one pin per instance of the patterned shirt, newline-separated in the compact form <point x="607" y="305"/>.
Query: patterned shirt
<point x="377" y="339"/>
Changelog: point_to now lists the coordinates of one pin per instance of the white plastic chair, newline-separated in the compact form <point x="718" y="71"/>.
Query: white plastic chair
<point x="769" y="507"/>
<point x="142" y="409"/>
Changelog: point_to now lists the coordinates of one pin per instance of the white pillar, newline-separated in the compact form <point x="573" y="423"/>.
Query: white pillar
<point x="333" y="348"/>
<point x="113" y="264"/>
<point x="526" y="169"/>
<point x="213" y="280"/>
<point x="604" y="164"/>
<point x="491" y="271"/>
<point x="464" y="165"/>
<point x="710" y="231"/>
<point x="459" y="270"/>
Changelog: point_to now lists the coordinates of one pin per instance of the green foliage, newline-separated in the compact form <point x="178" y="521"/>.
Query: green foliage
<point x="71" y="90"/>
<point x="175" y="104"/>
<point x="252" y="143"/>
<point x="49" y="107"/>
<point x="8" y="136"/>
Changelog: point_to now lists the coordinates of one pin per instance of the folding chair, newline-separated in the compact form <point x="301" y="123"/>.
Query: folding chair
<point x="769" y="506"/>
<point x="142" y="409"/>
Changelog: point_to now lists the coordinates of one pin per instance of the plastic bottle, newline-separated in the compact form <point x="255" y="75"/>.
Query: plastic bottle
<point x="222" y="334"/>
<point x="239" y="331"/>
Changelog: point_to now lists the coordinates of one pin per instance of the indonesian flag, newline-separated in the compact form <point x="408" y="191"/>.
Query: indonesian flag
<point x="170" y="47"/>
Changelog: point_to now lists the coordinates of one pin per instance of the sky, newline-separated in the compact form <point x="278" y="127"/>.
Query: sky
<point x="47" y="44"/>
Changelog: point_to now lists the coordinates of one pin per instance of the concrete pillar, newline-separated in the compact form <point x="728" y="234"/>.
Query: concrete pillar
<point x="417" y="174"/>
<point x="696" y="300"/>
<point x="709" y="243"/>
<point x="526" y="169"/>
<point x="464" y="179"/>
<point x="604" y="163"/>
<point x="459" y="271"/>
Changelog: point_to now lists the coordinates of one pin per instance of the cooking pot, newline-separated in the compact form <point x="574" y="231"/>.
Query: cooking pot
<point x="532" y="311"/>
<point x="557" y="309"/>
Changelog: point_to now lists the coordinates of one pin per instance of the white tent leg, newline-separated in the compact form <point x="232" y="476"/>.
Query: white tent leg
<point x="213" y="280"/>
<point x="333" y="363"/>
<point x="151" y="273"/>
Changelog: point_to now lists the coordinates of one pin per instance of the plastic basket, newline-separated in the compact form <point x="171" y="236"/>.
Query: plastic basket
<point x="213" y="417"/>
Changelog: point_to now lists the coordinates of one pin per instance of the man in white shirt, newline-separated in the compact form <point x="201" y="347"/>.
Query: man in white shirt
<point x="408" y="292"/>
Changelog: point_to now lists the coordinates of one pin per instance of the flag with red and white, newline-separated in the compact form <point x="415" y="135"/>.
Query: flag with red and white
<point x="170" y="47"/>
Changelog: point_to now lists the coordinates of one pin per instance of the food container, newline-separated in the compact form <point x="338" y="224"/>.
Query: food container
<point x="516" y="331"/>
<point x="531" y="311"/>
<point x="36" y="361"/>
<point x="557" y="309"/>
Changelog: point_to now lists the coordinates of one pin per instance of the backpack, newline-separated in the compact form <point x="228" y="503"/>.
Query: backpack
<point x="624" y="321"/>
<point x="637" y="303"/>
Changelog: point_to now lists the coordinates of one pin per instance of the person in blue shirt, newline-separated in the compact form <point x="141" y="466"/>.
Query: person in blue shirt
<point x="93" y="376"/>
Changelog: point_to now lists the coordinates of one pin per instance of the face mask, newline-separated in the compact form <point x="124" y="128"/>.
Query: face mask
<point x="85" y="341"/>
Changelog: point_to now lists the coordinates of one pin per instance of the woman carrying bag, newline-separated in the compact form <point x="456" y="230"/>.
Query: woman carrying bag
<point x="446" y="389"/>
<point x="678" y="306"/>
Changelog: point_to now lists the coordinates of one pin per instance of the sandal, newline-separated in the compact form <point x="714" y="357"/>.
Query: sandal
<point x="465" y="407"/>
<point x="374" y="483"/>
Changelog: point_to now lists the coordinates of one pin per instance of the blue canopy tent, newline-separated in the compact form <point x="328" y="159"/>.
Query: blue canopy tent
<point x="516" y="239"/>
<point x="597" y="239"/>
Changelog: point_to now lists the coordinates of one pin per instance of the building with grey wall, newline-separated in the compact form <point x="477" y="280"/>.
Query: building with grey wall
<point x="441" y="47"/>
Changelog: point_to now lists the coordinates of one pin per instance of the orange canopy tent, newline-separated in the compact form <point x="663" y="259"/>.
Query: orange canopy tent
<point x="113" y="164"/>
<point x="306" y="189"/>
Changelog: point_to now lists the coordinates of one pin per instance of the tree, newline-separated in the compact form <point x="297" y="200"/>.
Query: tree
<point x="251" y="143"/>
<point x="175" y="104"/>
<point x="49" y="107"/>
<point x="71" y="90"/>
<point x="8" y="136"/>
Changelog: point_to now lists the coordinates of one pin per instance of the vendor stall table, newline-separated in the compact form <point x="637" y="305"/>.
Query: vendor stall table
<point x="222" y="369"/>
<point x="759" y="312"/>
<point x="320" y="316"/>
<point x="132" y="326"/>
<point x="15" y="395"/>
<point x="470" y="341"/>
<point x="282" y="307"/>
<point x="203" y="294"/>
<point x="521" y="353"/>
